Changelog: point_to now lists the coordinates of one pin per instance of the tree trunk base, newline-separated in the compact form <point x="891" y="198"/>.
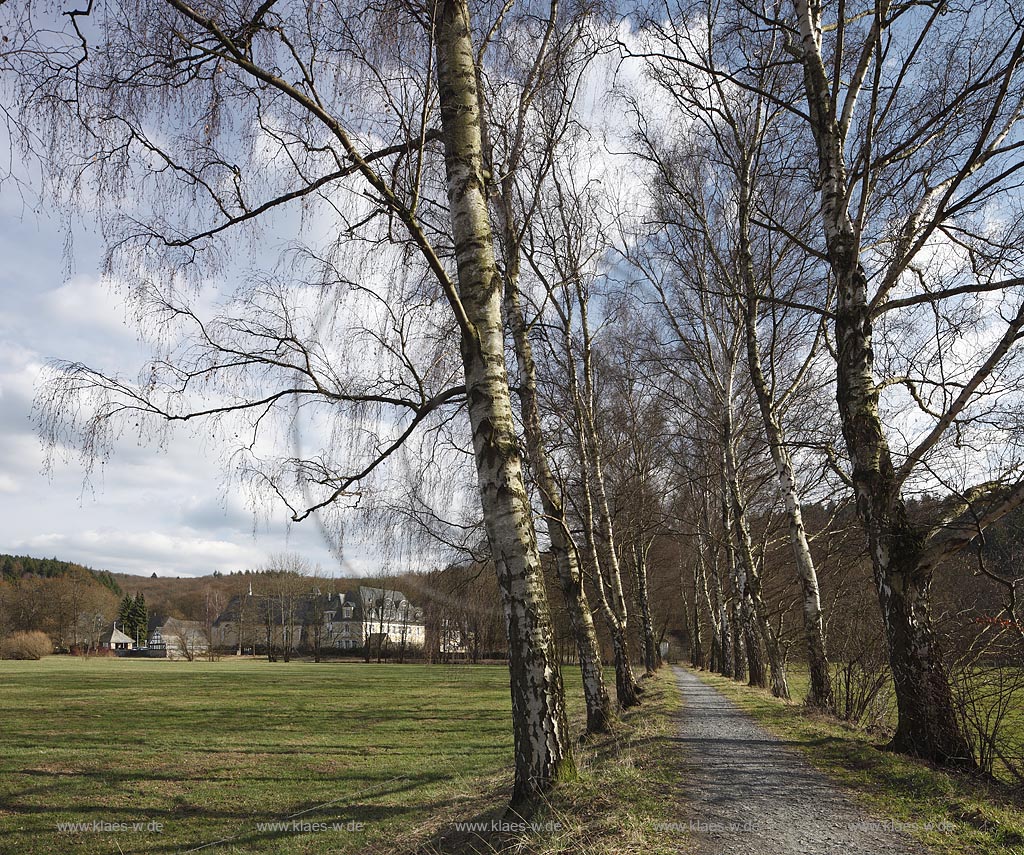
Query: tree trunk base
<point x="598" y="722"/>
<point x="953" y="754"/>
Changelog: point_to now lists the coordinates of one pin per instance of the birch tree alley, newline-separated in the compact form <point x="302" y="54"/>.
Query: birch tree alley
<point x="913" y="117"/>
<point x="916" y="113"/>
<point x="562" y="248"/>
<point x="724" y="292"/>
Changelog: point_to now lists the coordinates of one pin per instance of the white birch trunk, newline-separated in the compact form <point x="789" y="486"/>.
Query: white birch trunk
<point x="651" y="656"/>
<point x="611" y="590"/>
<point x="697" y="655"/>
<point x="821" y="684"/>
<point x="820" y="690"/>
<point x="567" y="564"/>
<point x="627" y="693"/>
<point x="606" y="581"/>
<point x="755" y="620"/>
<point x="541" y="736"/>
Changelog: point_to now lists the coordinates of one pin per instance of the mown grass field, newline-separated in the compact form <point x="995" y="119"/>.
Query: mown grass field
<point x="955" y="814"/>
<point x="208" y="750"/>
<point x="211" y="751"/>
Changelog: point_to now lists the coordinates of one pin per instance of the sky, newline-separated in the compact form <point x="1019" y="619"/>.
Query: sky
<point x="148" y="509"/>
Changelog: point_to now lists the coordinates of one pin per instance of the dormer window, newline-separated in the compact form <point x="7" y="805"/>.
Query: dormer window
<point x="347" y="612"/>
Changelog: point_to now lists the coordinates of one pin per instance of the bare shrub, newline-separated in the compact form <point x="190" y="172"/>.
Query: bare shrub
<point x="988" y="692"/>
<point x="861" y="688"/>
<point x="26" y="645"/>
<point x="861" y="677"/>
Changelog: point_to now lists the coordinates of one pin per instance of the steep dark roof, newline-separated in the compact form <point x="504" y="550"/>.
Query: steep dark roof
<point x="254" y="607"/>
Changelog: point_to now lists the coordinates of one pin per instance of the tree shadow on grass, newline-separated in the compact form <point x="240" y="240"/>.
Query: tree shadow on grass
<point x="371" y="806"/>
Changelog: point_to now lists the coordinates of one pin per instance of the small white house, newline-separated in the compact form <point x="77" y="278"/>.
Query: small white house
<point x="114" y="639"/>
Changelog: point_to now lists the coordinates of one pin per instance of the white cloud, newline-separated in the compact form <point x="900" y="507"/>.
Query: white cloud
<point x="149" y="509"/>
<point x="91" y="304"/>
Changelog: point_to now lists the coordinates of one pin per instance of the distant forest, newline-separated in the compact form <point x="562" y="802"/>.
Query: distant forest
<point x="16" y="566"/>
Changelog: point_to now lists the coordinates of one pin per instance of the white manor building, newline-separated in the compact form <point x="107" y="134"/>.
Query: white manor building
<point x="355" y="620"/>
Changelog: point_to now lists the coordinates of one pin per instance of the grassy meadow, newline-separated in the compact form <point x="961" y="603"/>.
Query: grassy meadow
<point x="209" y="750"/>
<point x="353" y="758"/>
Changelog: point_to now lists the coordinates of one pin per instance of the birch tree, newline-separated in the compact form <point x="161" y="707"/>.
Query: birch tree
<point x="636" y="427"/>
<point x="522" y="146"/>
<point x="915" y="111"/>
<point x="561" y="248"/>
<point x="218" y="116"/>
<point x="689" y="284"/>
<point x="594" y="508"/>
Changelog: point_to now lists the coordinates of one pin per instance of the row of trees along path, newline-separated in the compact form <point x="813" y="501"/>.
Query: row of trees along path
<point x="742" y="259"/>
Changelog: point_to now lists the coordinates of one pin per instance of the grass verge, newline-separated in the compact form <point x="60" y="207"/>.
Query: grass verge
<point x="623" y="799"/>
<point x="950" y="812"/>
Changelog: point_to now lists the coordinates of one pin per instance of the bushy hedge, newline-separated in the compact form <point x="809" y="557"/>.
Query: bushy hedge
<point x="26" y="645"/>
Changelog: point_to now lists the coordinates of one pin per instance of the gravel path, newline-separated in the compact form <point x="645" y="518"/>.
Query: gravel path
<point x="750" y="792"/>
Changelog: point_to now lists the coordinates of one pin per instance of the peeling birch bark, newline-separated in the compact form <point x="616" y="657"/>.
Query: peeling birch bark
<point x="541" y="737"/>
